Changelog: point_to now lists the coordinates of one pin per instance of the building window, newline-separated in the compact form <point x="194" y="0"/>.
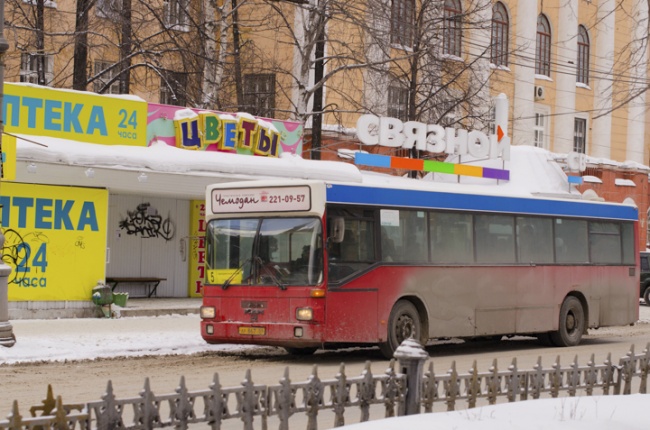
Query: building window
<point x="47" y="3"/>
<point x="449" y="110"/>
<point x="108" y="8"/>
<point x="176" y="14"/>
<point x="401" y="22"/>
<point x="492" y="121"/>
<point x="29" y="65"/>
<point x="173" y="88"/>
<point x="452" y="31"/>
<point x="543" y="57"/>
<point x="106" y="72"/>
<point x="259" y="94"/>
<point x="582" y="73"/>
<point x="580" y="135"/>
<point x="398" y="101"/>
<point x="541" y="129"/>
<point x="499" y="45"/>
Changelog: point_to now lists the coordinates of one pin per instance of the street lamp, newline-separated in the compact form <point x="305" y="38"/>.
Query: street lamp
<point x="7" y="337"/>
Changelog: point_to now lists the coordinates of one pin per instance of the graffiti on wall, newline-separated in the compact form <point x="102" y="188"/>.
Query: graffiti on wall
<point x="145" y="222"/>
<point x="29" y="260"/>
<point x="55" y="240"/>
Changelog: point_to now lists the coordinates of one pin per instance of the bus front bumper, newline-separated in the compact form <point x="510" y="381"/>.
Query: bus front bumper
<point x="278" y="334"/>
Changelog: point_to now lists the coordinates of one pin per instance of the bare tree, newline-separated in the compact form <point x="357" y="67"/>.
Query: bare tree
<point x="116" y="45"/>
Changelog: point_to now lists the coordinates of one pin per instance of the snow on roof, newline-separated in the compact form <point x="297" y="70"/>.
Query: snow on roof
<point x="160" y="157"/>
<point x="533" y="171"/>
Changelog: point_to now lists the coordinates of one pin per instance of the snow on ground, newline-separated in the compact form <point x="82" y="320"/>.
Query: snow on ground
<point x="68" y="339"/>
<point x="576" y="413"/>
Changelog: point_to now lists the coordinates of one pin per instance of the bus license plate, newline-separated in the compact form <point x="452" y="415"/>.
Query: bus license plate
<point x="254" y="331"/>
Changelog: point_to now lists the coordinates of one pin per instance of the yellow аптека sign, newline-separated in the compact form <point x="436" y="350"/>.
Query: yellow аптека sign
<point x="55" y="240"/>
<point x="8" y="158"/>
<point x="74" y="115"/>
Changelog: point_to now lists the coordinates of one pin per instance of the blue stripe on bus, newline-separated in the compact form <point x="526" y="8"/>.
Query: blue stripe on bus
<point x="351" y="194"/>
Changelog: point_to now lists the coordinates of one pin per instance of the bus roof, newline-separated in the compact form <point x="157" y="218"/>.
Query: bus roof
<point x="430" y="196"/>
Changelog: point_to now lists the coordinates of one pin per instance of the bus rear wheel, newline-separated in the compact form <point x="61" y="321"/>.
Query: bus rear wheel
<point x="646" y="295"/>
<point x="404" y="322"/>
<point x="572" y="323"/>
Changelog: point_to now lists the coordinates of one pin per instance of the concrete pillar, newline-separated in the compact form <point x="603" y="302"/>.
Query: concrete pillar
<point x="479" y="57"/>
<point x="601" y="128"/>
<point x="6" y="330"/>
<point x="411" y="357"/>
<point x="524" y="103"/>
<point x="565" y="77"/>
<point x="638" y="83"/>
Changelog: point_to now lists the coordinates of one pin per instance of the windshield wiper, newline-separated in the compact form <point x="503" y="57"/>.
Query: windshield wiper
<point x="231" y="277"/>
<point x="271" y="275"/>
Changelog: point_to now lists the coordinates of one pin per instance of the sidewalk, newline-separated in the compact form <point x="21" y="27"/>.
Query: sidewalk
<point x="160" y="306"/>
<point x="39" y="340"/>
<point x="135" y="307"/>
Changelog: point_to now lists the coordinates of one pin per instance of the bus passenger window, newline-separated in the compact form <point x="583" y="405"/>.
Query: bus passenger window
<point x="388" y="252"/>
<point x="349" y="247"/>
<point x="357" y="249"/>
<point x="534" y="240"/>
<point x="451" y="238"/>
<point x="571" y="241"/>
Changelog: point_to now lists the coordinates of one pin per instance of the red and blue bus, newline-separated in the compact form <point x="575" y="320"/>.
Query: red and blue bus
<point x="312" y="264"/>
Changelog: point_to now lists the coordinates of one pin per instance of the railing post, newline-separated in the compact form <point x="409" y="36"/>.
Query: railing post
<point x="7" y="337"/>
<point x="411" y="357"/>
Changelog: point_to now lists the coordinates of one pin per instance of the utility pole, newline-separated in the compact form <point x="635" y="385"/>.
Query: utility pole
<point x="7" y="337"/>
<point x="317" y="106"/>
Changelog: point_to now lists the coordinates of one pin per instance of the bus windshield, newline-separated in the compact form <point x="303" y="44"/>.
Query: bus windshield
<point x="264" y="251"/>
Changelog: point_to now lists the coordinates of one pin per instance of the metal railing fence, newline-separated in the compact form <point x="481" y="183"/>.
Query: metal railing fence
<point x="407" y="391"/>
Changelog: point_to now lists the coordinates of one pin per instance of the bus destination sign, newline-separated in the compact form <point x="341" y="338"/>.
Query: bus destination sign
<point x="273" y="199"/>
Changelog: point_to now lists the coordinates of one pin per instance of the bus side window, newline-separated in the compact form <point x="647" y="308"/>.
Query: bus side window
<point x="388" y="252"/>
<point x="349" y="247"/>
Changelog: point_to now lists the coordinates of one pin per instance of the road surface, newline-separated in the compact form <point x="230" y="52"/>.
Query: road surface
<point x="84" y="381"/>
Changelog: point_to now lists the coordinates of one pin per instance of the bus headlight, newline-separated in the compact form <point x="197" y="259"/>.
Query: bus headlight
<point x="304" y="314"/>
<point x="208" y="312"/>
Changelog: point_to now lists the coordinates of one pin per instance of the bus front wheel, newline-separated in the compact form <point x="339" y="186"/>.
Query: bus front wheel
<point x="404" y="322"/>
<point x="572" y="323"/>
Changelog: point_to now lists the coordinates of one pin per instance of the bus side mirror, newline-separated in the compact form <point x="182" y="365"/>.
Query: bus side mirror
<point x="337" y="230"/>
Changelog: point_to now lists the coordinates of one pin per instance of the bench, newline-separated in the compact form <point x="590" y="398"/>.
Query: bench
<point x="150" y="283"/>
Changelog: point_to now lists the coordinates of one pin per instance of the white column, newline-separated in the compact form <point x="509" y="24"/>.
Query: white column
<point x="479" y="56"/>
<point x="601" y="128"/>
<point x="524" y="103"/>
<point x="565" y="77"/>
<point x="377" y="79"/>
<point x="639" y="76"/>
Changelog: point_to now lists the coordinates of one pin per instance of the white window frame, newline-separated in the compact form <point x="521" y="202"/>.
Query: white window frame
<point x="108" y="9"/>
<point x="168" y="95"/>
<point x="100" y="65"/>
<point x="451" y="117"/>
<point x="396" y="94"/>
<point x="402" y="23"/>
<point x="545" y="113"/>
<point x="181" y="19"/>
<point x="48" y="3"/>
<point x="257" y="97"/>
<point x="28" y="72"/>
<point x="491" y="125"/>
<point x="586" y="136"/>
